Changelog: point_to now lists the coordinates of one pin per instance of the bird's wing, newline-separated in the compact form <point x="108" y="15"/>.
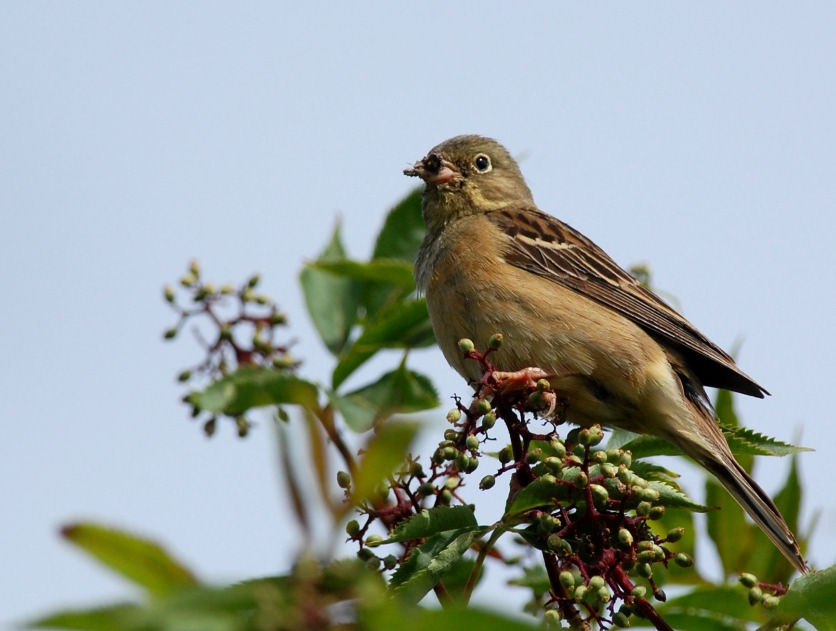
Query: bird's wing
<point x="543" y="245"/>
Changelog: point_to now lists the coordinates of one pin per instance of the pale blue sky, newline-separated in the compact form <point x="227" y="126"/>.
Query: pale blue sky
<point x="698" y="137"/>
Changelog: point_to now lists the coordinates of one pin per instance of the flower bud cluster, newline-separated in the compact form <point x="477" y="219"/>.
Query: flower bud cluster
<point x="236" y="327"/>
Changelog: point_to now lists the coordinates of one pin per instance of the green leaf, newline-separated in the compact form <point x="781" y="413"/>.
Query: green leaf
<point x="714" y="602"/>
<point x="741" y="441"/>
<point x="432" y="521"/>
<point x="647" y="446"/>
<point x="724" y="409"/>
<point x="399" y="239"/>
<point x="400" y="391"/>
<point x="390" y="271"/>
<point x="404" y="325"/>
<point x="811" y="597"/>
<point x="113" y="618"/>
<point x="728" y="529"/>
<point x="721" y="608"/>
<point x="332" y="300"/>
<point x="651" y="471"/>
<point x="403" y="230"/>
<point x="255" y="386"/>
<point x="539" y="494"/>
<point x="394" y="614"/>
<point x="747" y="441"/>
<point x="428" y="563"/>
<point x="385" y="451"/>
<point x="139" y="560"/>
<point x="727" y="417"/>
<point x="535" y="578"/>
<point x="674" y="498"/>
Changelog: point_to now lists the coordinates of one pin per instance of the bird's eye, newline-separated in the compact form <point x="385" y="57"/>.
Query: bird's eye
<point x="482" y="163"/>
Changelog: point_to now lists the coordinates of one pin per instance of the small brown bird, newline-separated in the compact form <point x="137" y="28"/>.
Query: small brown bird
<point x="617" y="354"/>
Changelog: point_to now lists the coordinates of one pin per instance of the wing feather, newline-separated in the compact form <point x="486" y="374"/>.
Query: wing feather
<point x="544" y="245"/>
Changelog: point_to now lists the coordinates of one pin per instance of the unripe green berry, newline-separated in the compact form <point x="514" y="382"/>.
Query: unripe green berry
<point x="537" y="400"/>
<point x="580" y="592"/>
<point x="657" y="512"/>
<point x="567" y="579"/>
<point x="483" y="406"/>
<point x="472" y="443"/>
<point x="472" y="465"/>
<point x="650" y="495"/>
<point x="624" y="475"/>
<point x="416" y="470"/>
<point x="466" y="345"/>
<point x="253" y="281"/>
<point x="170" y="334"/>
<point x="594" y="435"/>
<point x="572" y="438"/>
<point x="445" y="497"/>
<point x="771" y="602"/>
<point x="373" y="541"/>
<point x="533" y="456"/>
<point x="748" y="580"/>
<point x="643" y="509"/>
<point x="374" y="563"/>
<point x="608" y="470"/>
<point x="599" y="457"/>
<point x="552" y="619"/>
<point x="644" y="570"/>
<point x="487" y="482"/>
<point x="390" y="561"/>
<point x="599" y="494"/>
<point x="495" y="341"/>
<point x="639" y="591"/>
<point x="454" y="415"/>
<point x="553" y="465"/>
<point x="675" y="534"/>
<point x="620" y="620"/>
<point x="755" y="595"/>
<point x="184" y="376"/>
<point x="168" y="293"/>
<point x="596" y="582"/>
<point x="582" y="480"/>
<point x="626" y="458"/>
<point x="364" y="554"/>
<point x="505" y="455"/>
<point x="683" y="560"/>
<point x="461" y="461"/>
<point x="543" y="385"/>
<point x="604" y="595"/>
<point x="489" y="420"/>
<point x="343" y="479"/>
<point x="426" y="489"/>
<point x="451" y="435"/>
<point x="625" y="537"/>
<point x="648" y="556"/>
<point x="352" y="528"/>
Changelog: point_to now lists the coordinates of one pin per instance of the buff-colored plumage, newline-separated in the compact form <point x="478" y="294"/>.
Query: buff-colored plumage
<point x="618" y="355"/>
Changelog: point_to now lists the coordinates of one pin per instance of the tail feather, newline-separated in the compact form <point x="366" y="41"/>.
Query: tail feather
<point x="704" y="442"/>
<point x="758" y="505"/>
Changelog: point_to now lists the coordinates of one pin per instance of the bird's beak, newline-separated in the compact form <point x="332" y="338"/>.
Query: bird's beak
<point x="434" y="169"/>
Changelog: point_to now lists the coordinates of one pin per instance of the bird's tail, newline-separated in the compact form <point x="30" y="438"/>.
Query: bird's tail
<point x="711" y="451"/>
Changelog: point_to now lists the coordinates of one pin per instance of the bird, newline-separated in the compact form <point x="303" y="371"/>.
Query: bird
<point x="616" y="354"/>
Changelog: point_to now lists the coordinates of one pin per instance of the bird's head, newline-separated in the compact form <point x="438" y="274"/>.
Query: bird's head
<point x="467" y="175"/>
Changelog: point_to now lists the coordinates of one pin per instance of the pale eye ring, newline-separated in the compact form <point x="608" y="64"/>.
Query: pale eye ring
<point x="482" y="163"/>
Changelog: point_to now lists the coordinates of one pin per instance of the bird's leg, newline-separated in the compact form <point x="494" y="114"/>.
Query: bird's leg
<point x="525" y="379"/>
